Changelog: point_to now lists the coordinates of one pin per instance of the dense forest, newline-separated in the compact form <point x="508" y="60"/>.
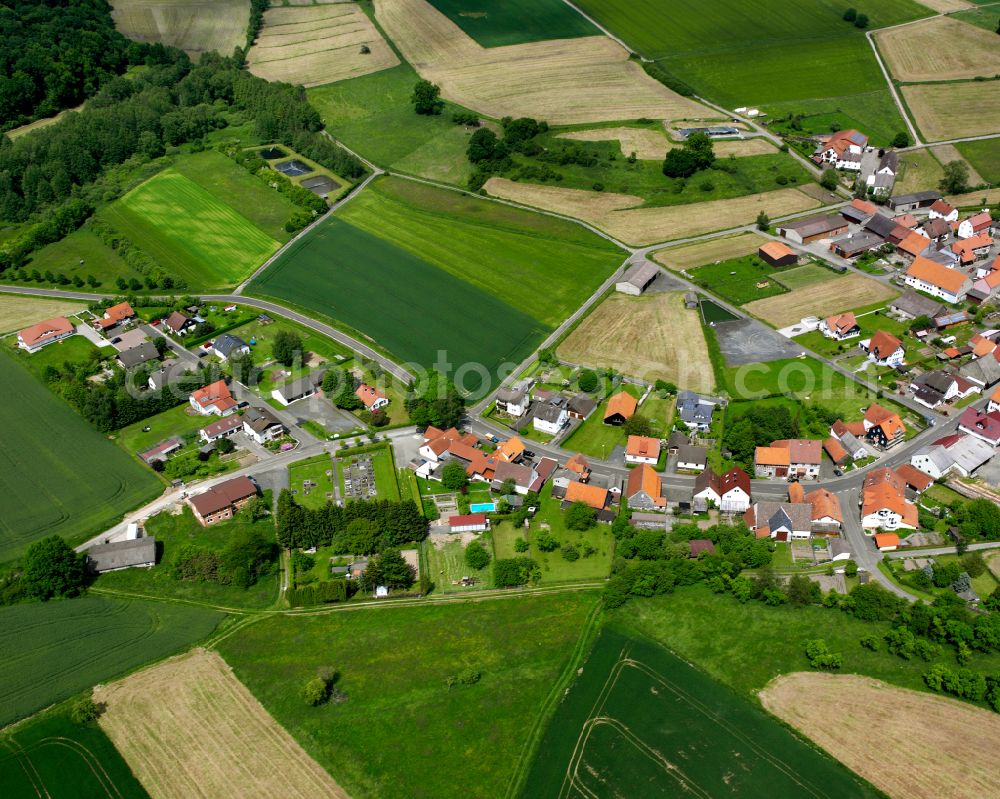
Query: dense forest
<point x="56" y="53"/>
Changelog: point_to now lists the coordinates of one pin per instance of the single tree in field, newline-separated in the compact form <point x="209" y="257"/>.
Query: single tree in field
<point x="453" y="476"/>
<point x="902" y="139"/>
<point x="763" y="221"/>
<point x="287" y="347"/>
<point x="861" y="21"/>
<point x="53" y="569"/>
<point x="426" y="98"/>
<point x="482" y="145"/>
<point x="850" y="15"/>
<point x="956" y="178"/>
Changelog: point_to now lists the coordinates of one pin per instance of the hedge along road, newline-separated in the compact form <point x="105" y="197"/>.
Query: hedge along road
<point x="358" y="347"/>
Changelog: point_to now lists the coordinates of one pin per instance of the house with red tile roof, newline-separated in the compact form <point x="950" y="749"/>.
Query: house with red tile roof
<point x="594" y="496"/>
<point x="795" y="457"/>
<point x="840" y="327"/>
<point x="213" y="399"/>
<point x="886" y="542"/>
<point x="729" y="491"/>
<point x="978" y="224"/>
<point x="884" y="349"/>
<point x="883" y="427"/>
<point x="44" y="333"/>
<point x="115" y="315"/>
<point x="841" y="149"/>
<point x="644" y="489"/>
<point x="941" y="210"/>
<point x="914" y="244"/>
<point x="914" y="478"/>
<point x="621" y="408"/>
<point x="883" y="502"/>
<point x="371" y="397"/>
<point x="985" y="426"/>
<point x="642" y="449"/>
<point x="973" y="248"/>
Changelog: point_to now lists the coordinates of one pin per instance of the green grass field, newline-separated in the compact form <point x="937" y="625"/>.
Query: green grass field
<point x="46" y="484"/>
<point x="807" y="275"/>
<point x="984" y="156"/>
<point x="174" y="532"/>
<point x="639" y="721"/>
<point x="435" y="266"/>
<point x="595" y="438"/>
<point x="736" y="279"/>
<point x="231" y="184"/>
<point x="189" y="232"/>
<point x="402" y="731"/>
<point x="53" y="650"/>
<point x="53" y="756"/>
<point x="174" y="422"/>
<point x="314" y="470"/>
<point x="792" y="45"/>
<point x="372" y="114"/>
<point x="81" y="254"/>
<point x="985" y="17"/>
<point x="493" y="23"/>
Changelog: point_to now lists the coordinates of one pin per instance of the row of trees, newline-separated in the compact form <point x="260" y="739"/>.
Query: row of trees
<point x="359" y="527"/>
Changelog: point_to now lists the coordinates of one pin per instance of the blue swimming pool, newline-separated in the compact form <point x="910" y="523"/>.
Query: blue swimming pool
<point x="483" y="507"/>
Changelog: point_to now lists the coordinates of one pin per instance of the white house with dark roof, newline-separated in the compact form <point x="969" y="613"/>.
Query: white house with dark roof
<point x="228" y="345"/>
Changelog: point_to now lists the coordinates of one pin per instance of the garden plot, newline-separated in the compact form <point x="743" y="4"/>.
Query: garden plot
<point x="313" y="45"/>
<point x="563" y="81"/>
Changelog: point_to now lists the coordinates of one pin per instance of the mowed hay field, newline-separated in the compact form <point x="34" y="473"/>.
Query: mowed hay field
<point x="313" y="45"/>
<point x="640" y="721"/>
<point x="191" y="25"/>
<point x="620" y="216"/>
<point x="945" y="153"/>
<point x="653" y="337"/>
<point x="940" y="746"/>
<point x="190" y="233"/>
<point x="564" y="81"/>
<point x="652" y="145"/>
<point x="402" y="731"/>
<point x="46" y="484"/>
<point x="708" y="252"/>
<point x="19" y="312"/>
<point x="820" y="299"/>
<point x="53" y="650"/>
<point x="941" y="48"/>
<point x="944" y="110"/>
<point x="920" y="170"/>
<point x="189" y="728"/>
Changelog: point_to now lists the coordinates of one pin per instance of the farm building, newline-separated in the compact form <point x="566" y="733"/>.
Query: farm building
<point x="813" y="228"/>
<point x="939" y="281"/>
<point x="222" y="501"/>
<point x="854" y="244"/>
<point x="118" y="555"/>
<point x="637" y="278"/>
<point x="841" y="149"/>
<point x="44" y="333"/>
<point x="858" y="211"/>
<point x="298" y="389"/>
<point x="580" y="406"/>
<point x="161" y="450"/>
<point x="261" y="425"/>
<point x="621" y="408"/>
<point x="911" y="202"/>
<point x="910" y="305"/>
<point x="469" y="523"/>
<point x="643" y="490"/>
<point x="777" y="254"/>
<point x="691" y="458"/>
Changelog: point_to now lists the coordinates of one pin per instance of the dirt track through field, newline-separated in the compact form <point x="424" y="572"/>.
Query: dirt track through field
<point x="651" y="337"/>
<point x="820" y="299"/>
<point x="189" y="728"/>
<point x="620" y="216"/>
<point x="909" y="744"/>
<point x="940" y="48"/>
<point x="562" y="81"/>
<point x="313" y="45"/>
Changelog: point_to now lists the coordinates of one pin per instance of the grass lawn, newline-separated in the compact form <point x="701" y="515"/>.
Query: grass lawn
<point x="803" y="378"/>
<point x="595" y="438"/>
<point x="54" y="756"/>
<point x="231" y="184"/>
<point x="81" y="254"/>
<point x="807" y="275"/>
<point x="446" y="566"/>
<point x="53" y="650"/>
<point x="869" y="323"/>
<point x="984" y="17"/>
<point x="46" y="485"/>
<point x="494" y="24"/>
<point x="189" y="232"/>
<point x="402" y="731"/>
<point x="75" y="350"/>
<point x="737" y="279"/>
<point x="984" y="155"/>
<point x="173" y="532"/>
<point x="319" y="471"/>
<point x="746" y="645"/>
<point x="373" y="114"/>
<point x="175" y="422"/>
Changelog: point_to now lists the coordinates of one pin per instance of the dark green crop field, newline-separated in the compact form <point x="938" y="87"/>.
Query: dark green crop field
<point x="493" y="23"/>
<point x="52" y="756"/>
<point x="420" y="271"/>
<point x="401" y="731"/>
<point x="53" y="650"/>
<point x="57" y="474"/>
<point x="640" y="722"/>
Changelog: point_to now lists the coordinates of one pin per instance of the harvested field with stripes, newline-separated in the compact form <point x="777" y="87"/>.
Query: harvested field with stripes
<point x="192" y="25"/>
<point x="189" y="728"/>
<point x="844" y="713"/>
<point x="708" y="252"/>
<point x="945" y="110"/>
<point x="563" y="81"/>
<point x="17" y="312"/>
<point x="651" y="145"/>
<point x="937" y="49"/>
<point x="314" y="45"/>
<point x="820" y="299"/>
<point x="620" y="214"/>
